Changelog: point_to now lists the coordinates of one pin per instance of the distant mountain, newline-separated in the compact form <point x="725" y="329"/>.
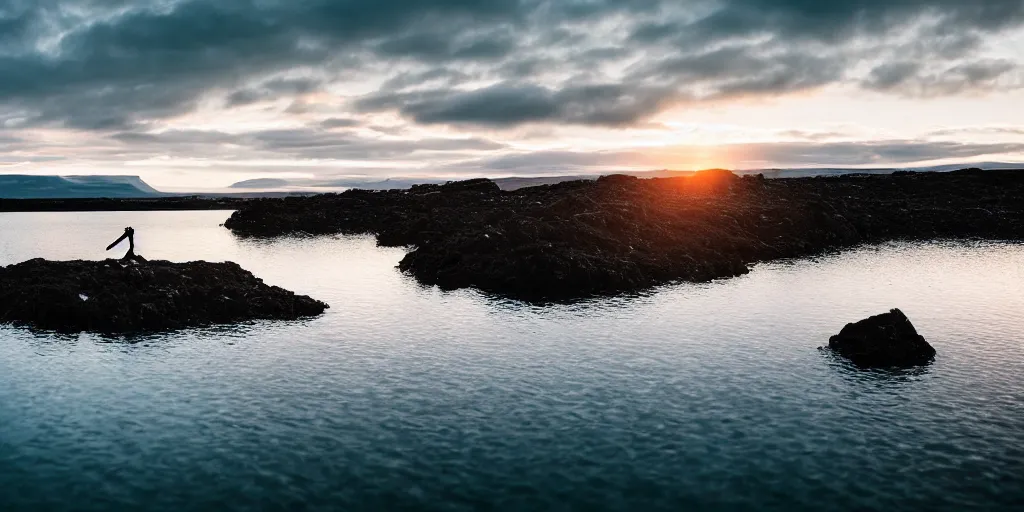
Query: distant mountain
<point x="16" y="186"/>
<point x="367" y="183"/>
<point x="262" y="183"/>
<point x="328" y="185"/>
<point x="514" y="183"/>
<point x="838" y="171"/>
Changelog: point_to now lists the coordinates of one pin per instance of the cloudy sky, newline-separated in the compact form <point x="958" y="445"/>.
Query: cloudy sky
<point x="196" y="94"/>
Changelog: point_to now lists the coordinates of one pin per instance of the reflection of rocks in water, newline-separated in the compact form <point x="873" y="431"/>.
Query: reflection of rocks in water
<point x="883" y="341"/>
<point x="882" y="383"/>
<point x="620" y="234"/>
<point x="117" y="297"/>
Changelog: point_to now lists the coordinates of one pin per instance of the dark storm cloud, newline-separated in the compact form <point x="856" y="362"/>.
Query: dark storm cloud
<point x="839" y="20"/>
<point x="511" y="104"/>
<point x="188" y="47"/>
<point x="892" y="74"/>
<point x="735" y="48"/>
<point x="120" y="66"/>
<point x="442" y="47"/>
<point x="906" y="77"/>
<point x="499" y="104"/>
<point x="722" y="73"/>
<point x="434" y="76"/>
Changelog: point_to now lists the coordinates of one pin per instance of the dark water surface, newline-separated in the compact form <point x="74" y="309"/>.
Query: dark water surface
<point x="693" y="397"/>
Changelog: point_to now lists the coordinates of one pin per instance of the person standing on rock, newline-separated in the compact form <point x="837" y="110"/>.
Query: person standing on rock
<point x="129" y="233"/>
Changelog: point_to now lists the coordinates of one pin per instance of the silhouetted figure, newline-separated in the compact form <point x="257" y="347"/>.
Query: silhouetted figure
<point x="129" y="233"/>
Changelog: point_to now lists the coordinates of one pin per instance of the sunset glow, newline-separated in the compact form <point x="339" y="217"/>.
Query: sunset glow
<point x="486" y="88"/>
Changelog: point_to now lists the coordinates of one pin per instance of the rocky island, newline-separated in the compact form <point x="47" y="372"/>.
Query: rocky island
<point x="130" y="296"/>
<point x="621" y="234"/>
<point x="888" y="340"/>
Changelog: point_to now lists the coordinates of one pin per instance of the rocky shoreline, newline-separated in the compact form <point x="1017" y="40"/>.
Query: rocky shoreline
<point x="623" y="234"/>
<point x="127" y="296"/>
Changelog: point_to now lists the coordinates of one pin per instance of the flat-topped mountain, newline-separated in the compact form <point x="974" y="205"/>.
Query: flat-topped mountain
<point x="19" y="186"/>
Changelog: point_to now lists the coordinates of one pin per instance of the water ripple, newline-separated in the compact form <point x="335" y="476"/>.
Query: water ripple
<point x="402" y="397"/>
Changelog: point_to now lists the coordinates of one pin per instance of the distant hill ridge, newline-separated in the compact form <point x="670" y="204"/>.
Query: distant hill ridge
<point x="19" y="186"/>
<point x="514" y="183"/>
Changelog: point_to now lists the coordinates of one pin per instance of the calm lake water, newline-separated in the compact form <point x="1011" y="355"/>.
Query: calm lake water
<point x="692" y="397"/>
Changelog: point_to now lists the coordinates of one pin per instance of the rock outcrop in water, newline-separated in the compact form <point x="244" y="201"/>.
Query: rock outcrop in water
<point x="887" y="340"/>
<point x="620" y="233"/>
<point x="119" y="297"/>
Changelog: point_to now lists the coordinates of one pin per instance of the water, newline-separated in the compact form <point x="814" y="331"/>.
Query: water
<point x="403" y="397"/>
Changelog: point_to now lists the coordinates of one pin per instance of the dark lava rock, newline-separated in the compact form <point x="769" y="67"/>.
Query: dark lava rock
<point x="887" y="340"/>
<point x="624" y="234"/>
<point x="121" y="297"/>
<point x="476" y="185"/>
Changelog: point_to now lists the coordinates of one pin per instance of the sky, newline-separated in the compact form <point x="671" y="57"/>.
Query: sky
<point x="199" y="94"/>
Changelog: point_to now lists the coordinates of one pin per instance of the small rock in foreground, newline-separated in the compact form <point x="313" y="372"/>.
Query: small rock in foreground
<point x="123" y="297"/>
<point x="887" y="340"/>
